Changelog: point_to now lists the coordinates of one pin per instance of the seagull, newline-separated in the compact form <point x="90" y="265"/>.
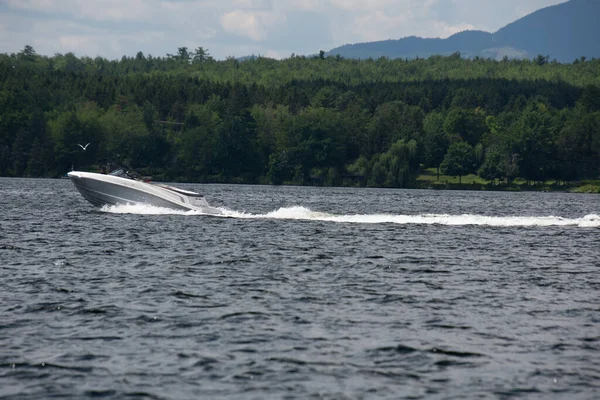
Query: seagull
<point x="83" y="147"/>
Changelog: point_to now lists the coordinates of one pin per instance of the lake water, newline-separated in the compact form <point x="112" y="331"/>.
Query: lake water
<point x="323" y="293"/>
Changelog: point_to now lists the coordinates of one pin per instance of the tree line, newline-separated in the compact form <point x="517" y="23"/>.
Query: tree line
<point x="302" y="120"/>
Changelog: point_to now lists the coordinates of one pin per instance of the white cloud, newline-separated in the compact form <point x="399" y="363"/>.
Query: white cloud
<point x="362" y="5"/>
<point x="115" y="10"/>
<point x="37" y="5"/>
<point x="101" y="10"/>
<point x="243" y="3"/>
<point x="524" y="8"/>
<point x="492" y="15"/>
<point x="273" y="54"/>
<point x="75" y="43"/>
<point x="387" y="6"/>
<point x="252" y="24"/>
<point x="444" y="30"/>
<point x="302" y="4"/>
<point x="365" y="21"/>
<point x="378" y="25"/>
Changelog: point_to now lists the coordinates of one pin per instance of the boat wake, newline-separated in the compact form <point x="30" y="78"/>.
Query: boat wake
<point x="305" y="214"/>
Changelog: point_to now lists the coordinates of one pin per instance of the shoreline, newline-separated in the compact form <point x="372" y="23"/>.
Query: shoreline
<point x="569" y="187"/>
<point x="584" y="187"/>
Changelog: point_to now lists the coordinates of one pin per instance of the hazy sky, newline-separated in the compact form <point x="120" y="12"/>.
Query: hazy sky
<point x="274" y="28"/>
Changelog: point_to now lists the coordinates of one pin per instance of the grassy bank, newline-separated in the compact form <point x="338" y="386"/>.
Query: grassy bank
<point x="428" y="179"/>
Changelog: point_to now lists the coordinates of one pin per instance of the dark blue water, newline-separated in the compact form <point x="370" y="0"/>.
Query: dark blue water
<point x="300" y="293"/>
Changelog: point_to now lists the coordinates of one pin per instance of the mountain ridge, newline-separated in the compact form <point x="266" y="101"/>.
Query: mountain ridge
<point x="564" y="32"/>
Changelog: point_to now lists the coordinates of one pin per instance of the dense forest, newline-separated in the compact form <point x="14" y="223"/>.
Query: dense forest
<point x="302" y="120"/>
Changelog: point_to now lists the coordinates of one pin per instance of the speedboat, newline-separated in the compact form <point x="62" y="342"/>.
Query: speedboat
<point x="121" y="188"/>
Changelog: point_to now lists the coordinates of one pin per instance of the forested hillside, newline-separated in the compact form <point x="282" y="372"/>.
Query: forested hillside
<point x="301" y="120"/>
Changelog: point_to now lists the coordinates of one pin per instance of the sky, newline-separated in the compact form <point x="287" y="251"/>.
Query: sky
<point x="236" y="28"/>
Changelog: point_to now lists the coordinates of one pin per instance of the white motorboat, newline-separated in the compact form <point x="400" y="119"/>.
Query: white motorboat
<point x="121" y="188"/>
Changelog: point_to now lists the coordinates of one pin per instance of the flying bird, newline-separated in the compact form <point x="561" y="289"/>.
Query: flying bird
<point x="83" y="147"/>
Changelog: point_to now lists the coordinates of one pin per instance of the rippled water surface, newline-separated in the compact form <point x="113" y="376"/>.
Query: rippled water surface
<point x="300" y="293"/>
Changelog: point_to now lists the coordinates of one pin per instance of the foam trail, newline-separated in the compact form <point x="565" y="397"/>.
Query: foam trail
<point x="145" y="209"/>
<point x="305" y="214"/>
<point x="302" y="213"/>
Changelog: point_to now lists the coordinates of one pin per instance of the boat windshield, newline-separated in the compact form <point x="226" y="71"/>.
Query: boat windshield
<point x="118" y="172"/>
<point x="121" y="173"/>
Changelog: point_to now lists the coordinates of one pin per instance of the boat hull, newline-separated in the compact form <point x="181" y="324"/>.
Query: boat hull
<point x="101" y="190"/>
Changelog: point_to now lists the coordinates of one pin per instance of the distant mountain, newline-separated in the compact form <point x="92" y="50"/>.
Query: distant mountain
<point x="412" y="47"/>
<point x="253" y="57"/>
<point x="564" y="32"/>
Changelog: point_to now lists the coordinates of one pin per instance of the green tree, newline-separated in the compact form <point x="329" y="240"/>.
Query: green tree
<point x="271" y="127"/>
<point x="360" y="169"/>
<point x="435" y="141"/>
<point x="196" y="154"/>
<point x="28" y="53"/>
<point x="183" y="55"/>
<point x="41" y="155"/>
<point x="20" y="151"/>
<point x="578" y="146"/>
<point x="314" y="140"/>
<point x="541" y="60"/>
<point x="391" y="122"/>
<point x="590" y="98"/>
<point x="236" y="151"/>
<point x="459" y="160"/>
<point x="397" y="167"/>
<point x="494" y="165"/>
<point x="36" y="163"/>
<point x="122" y="125"/>
<point x="200" y="56"/>
<point x="533" y="141"/>
<point x="66" y="132"/>
<point x="467" y="125"/>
